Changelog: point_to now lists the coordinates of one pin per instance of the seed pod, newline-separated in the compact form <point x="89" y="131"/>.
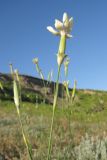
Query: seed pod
<point x="60" y="58"/>
<point x="1" y="86"/>
<point x="74" y="89"/>
<point x="16" y="95"/>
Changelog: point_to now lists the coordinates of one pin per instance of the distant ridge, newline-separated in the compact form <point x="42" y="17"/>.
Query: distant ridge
<point x="33" y="90"/>
<point x="32" y="85"/>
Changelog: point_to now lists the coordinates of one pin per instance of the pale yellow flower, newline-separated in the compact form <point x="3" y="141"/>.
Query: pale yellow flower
<point x="63" y="27"/>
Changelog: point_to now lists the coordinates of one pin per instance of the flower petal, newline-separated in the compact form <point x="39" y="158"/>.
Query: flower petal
<point x="70" y="23"/>
<point x="65" y="20"/>
<point x="71" y="20"/>
<point x="65" y="17"/>
<point x="58" y="24"/>
<point x="52" y="30"/>
<point x="68" y="35"/>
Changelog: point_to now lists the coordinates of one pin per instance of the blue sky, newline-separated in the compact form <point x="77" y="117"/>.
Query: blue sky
<point x="23" y="36"/>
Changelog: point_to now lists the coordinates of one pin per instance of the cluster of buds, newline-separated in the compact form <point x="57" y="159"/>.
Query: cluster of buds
<point x="36" y="62"/>
<point x="63" y="30"/>
<point x="66" y="85"/>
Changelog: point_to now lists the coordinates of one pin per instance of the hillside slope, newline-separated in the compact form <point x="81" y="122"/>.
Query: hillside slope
<point x="33" y="90"/>
<point x="88" y="114"/>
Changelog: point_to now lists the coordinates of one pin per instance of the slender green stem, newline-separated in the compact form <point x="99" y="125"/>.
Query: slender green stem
<point x="17" y="104"/>
<point x="60" y="58"/>
<point x="1" y="86"/>
<point x="24" y="138"/>
<point x="71" y="102"/>
<point x="42" y="77"/>
<point x="62" y="44"/>
<point x="53" y="113"/>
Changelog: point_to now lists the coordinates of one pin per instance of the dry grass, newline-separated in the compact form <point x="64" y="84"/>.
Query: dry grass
<point x="36" y="123"/>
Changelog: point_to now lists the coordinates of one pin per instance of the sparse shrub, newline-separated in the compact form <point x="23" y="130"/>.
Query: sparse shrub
<point x="91" y="148"/>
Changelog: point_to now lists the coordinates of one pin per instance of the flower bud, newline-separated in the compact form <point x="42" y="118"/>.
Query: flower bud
<point x="35" y="60"/>
<point x="16" y="72"/>
<point x="66" y="83"/>
<point x="66" y="63"/>
<point x="60" y="58"/>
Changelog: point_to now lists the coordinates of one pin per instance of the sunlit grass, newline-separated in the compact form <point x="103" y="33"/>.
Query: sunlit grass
<point x="37" y="122"/>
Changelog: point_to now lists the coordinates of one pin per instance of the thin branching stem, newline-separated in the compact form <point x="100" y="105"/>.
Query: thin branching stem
<point x="42" y="77"/>
<point x="53" y="114"/>
<point x="25" y="139"/>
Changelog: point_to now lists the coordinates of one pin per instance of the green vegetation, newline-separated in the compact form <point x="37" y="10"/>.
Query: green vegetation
<point x="89" y="114"/>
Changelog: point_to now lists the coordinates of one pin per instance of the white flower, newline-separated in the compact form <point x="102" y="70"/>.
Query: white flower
<point x="63" y="27"/>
